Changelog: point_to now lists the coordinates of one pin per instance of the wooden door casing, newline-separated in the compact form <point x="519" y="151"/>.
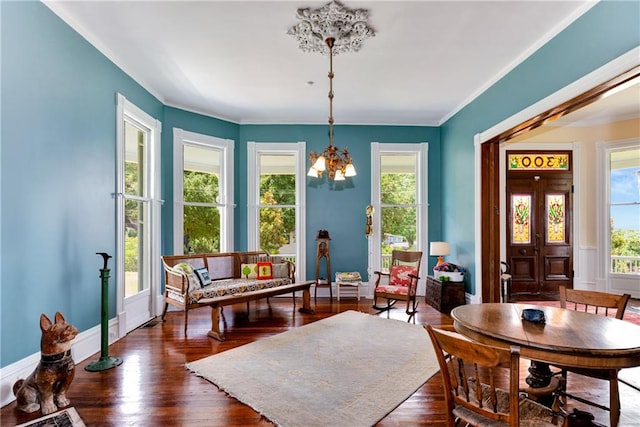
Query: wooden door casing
<point x="490" y="216"/>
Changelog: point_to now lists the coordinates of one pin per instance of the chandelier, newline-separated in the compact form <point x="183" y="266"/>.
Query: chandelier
<point x="330" y="30"/>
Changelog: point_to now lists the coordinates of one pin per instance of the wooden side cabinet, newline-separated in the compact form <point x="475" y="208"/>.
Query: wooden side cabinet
<point x="444" y="296"/>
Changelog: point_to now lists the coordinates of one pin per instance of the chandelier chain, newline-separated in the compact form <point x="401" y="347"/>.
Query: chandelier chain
<point x="330" y="30"/>
<point x="330" y="42"/>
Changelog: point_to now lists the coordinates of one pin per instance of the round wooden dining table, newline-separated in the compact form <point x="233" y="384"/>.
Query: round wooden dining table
<point x="568" y="337"/>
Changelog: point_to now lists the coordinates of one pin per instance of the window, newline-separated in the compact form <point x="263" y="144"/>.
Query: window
<point x="399" y="199"/>
<point x="203" y="193"/>
<point x="624" y="209"/>
<point x="276" y="200"/>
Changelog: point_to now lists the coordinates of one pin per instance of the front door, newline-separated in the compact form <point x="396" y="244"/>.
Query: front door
<point x="539" y="222"/>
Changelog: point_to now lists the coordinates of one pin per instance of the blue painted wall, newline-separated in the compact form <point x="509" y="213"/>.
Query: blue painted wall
<point x="338" y="207"/>
<point x="58" y="160"/>
<point x="606" y="31"/>
<point x="58" y="173"/>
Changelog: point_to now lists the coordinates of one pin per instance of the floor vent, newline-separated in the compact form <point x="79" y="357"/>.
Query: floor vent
<point x="151" y="323"/>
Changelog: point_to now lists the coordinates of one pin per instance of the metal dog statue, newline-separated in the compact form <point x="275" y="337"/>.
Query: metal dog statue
<point x="46" y="387"/>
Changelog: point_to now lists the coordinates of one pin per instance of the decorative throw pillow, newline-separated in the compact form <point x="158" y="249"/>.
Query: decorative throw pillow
<point x="280" y="270"/>
<point x="399" y="275"/>
<point x="249" y="271"/>
<point x="203" y="275"/>
<point x="186" y="268"/>
<point x="265" y="270"/>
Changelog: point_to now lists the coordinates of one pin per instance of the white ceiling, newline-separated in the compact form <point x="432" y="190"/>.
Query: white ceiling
<point x="234" y="60"/>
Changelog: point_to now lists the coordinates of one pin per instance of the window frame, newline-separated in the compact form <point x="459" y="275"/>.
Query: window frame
<point x="297" y="149"/>
<point x="421" y="151"/>
<point x="614" y="282"/>
<point x="226" y="203"/>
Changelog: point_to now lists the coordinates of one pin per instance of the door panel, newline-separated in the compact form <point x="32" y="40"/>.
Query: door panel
<point x="556" y="243"/>
<point x="521" y="235"/>
<point x="539" y="230"/>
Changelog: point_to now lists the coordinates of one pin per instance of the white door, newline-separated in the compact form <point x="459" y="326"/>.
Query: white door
<point x="138" y="216"/>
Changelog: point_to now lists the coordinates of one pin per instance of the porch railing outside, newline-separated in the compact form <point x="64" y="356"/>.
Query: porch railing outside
<point x="385" y="265"/>
<point x="625" y="264"/>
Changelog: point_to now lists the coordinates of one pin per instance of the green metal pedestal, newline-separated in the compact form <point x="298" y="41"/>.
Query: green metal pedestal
<point x="105" y="362"/>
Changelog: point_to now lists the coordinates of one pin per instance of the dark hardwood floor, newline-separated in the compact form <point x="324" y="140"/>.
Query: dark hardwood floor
<point x="152" y="387"/>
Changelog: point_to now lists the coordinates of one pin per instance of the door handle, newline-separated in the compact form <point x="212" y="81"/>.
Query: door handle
<point x="523" y="251"/>
<point x="537" y="247"/>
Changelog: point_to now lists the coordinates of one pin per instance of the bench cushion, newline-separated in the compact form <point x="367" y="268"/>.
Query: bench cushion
<point x="219" y="288"/>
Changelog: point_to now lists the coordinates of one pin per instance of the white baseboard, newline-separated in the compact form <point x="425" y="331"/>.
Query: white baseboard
<point x="86" y="344"/>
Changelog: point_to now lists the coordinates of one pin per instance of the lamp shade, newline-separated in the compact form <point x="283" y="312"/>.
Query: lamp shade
<point x="351" y="171"/>
<point x="439" y="249"/>
<point x="319" y="164"/>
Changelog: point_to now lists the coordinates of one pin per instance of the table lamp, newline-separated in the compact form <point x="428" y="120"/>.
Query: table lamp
<point x="439" y="249"/>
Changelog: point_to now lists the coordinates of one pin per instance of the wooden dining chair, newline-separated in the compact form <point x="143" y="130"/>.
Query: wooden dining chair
<point x="471" y="373"/>
<point x="402" y="284"/>
<point x="598" y="303"/>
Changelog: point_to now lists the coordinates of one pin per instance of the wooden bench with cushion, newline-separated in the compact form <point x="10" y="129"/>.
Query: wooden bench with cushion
<point x="219" y="279"/>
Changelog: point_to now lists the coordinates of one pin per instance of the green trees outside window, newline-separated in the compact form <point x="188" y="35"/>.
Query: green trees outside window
<point x="399" y="213"/>
<point x="277" y="211"/>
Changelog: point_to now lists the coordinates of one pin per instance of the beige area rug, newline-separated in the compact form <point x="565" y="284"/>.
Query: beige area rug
<point x="350" y="369"/>
<point x="65" y="418"/>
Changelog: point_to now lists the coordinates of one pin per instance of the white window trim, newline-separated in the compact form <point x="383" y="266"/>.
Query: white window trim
<point x="610" y="282"/>
<point x="124" y="108"/>
<point x="422" y="234"/>
<point x="180" y="138"/>
<point x="254" y="149"/>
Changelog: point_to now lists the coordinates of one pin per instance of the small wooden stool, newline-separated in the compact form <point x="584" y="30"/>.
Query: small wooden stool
<point x="352" y="280"/>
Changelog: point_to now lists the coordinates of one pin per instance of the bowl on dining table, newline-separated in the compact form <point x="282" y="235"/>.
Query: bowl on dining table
<point x="533" y="315"/>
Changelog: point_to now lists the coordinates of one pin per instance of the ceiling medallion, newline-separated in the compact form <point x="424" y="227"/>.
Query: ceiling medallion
<point x="348" y="27"/>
